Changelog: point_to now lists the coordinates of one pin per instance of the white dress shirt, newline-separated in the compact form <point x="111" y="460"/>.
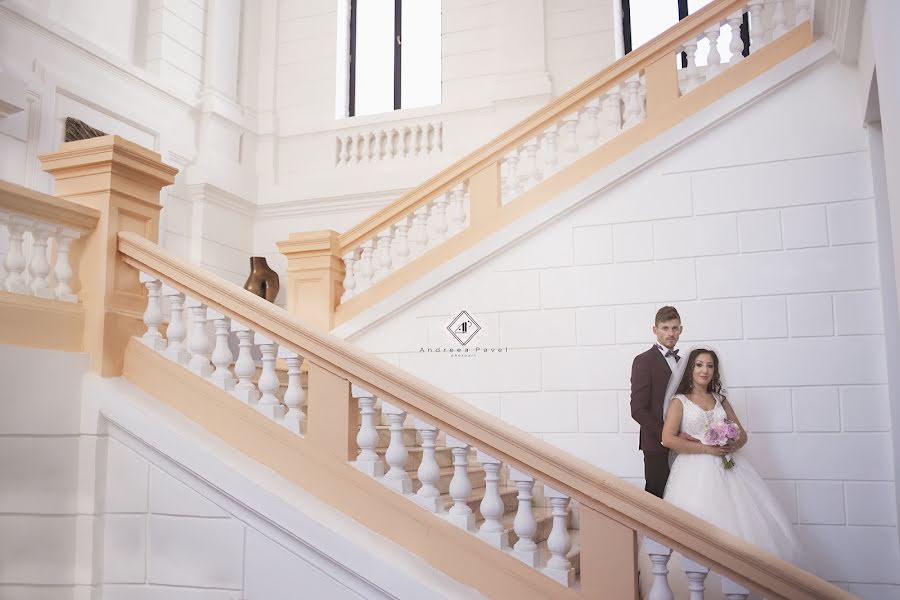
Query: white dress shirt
<point x="669" y="359"/>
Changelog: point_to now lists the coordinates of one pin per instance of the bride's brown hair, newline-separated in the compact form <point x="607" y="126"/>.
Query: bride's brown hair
<point x="687" y="380"/>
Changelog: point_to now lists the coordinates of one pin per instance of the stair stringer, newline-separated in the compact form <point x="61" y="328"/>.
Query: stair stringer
<point x="354" y="558"/>
<point x="591" y="188"/>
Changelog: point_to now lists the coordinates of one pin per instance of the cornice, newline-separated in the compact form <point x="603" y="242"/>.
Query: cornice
<point x="208" y="192"/>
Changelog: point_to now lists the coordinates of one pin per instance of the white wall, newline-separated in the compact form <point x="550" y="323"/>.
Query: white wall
<point x="762" y="232"/>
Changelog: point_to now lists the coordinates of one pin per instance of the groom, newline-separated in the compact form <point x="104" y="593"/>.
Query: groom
<point x="650" y="374"/>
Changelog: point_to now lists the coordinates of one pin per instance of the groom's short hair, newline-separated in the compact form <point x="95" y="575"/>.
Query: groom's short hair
<point x="666" y="313"/>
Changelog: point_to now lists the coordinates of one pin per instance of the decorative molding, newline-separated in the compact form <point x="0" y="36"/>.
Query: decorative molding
<point x="328" y="205"/>
<point x="207" y="192"/>
<point x="376" y="144"/>
<point x="843" y="24"/>
<point x="12" y="94"/>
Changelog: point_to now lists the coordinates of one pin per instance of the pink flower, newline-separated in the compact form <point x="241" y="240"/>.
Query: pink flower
<point x="722" y="433"/>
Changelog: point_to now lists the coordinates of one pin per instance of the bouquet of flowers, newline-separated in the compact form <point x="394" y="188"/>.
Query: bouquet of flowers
<point x="722" y="433"/>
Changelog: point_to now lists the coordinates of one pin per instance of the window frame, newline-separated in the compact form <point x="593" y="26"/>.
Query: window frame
<point x="398" y="37"/>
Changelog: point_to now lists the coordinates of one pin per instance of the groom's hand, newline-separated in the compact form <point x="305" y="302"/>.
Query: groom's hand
<point x="687" y="437"/>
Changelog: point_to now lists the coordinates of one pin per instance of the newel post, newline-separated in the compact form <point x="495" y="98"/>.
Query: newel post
<point x="609" y="557"/>
<point x="122" y="180"/>
<point x="332" y="414"/>
<point x="315" y="275"/>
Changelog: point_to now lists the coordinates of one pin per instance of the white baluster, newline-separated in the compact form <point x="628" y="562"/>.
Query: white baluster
<point x="15" y="258"/>
<point x="366" y="269"/>
<point x="437" y="224"/>
<point x="430" y="134"/>
<point x="570" y="136"/>
<point x="370" y="146"/>
<point x="713" y="59"/>
<point x="343" y="153"/>
<point x="612" y="109"/>
<point x="198" y="343"/>
<point x="632" y="106"/>
<point x="39" y="267"/>
<point x="659" y="557"/>
<point x="153" y="316"/>
<point x="405" y="141"/>
<point x="383" y="255"/>
<point x="593" y="130"/>
<point x="642" y="100"/>
<point x="734" y="591"/>
<point x="692" y="74"/>
<point x="460" y="490"/>
<point x="492" y="530"/>
<point x="696" y="574"/>
<point x="393" y="143"/>
<point x="360" y="147"/>
<point x="429" y="471"/>
<point x="551" y="159"/>
<point x="401" y="243"/>
<point x="531" y="175"/>
<point x="294" y="395"/>
<point x="419" y="134"/>
<point x="511" y="181"/>
<point x="380" y="144"/>
<point x="456" y="214"/>
<point x="397" y="455"/>
<point x="779" y="19"/>
<point x="418" y="235"/>
<point x="439" y="137"/>
<point x="525" y="525"/>
<point x="244" y="367"/>
<point x="802" y="11"/>
<point x="367" y="460"/>
<point x="221" y="355"/>
<point x="268" y="404"/>
<point x="63" y="269"/>
<point x="757" y="27"/>
<point x="559" y="543"/>
<point x="736" y="46"/>
<point x="349" y="275"/>
<point x="176" y="332"/>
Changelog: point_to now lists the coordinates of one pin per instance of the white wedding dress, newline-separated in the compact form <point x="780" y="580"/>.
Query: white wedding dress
<point x="737" y="499"/>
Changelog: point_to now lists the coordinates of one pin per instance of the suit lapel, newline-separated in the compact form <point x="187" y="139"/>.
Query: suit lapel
<point x="661" y="363"/>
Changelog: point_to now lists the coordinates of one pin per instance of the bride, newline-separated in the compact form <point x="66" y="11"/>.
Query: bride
<point x="735" y="499"/>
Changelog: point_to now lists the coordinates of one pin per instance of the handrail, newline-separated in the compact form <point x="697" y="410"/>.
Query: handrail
<point x="46" y="208"/>
<point x="591" y="486"/>
<point x="667" y="43"/>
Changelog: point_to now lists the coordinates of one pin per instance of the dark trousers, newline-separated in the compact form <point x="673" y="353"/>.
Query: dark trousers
<point x="656" y="472"/>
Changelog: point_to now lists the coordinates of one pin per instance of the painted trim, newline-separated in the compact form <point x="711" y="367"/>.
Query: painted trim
<point x="267" y="442"/>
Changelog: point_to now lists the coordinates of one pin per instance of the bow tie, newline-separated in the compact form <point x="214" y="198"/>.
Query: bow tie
<point x="673" y="353"/>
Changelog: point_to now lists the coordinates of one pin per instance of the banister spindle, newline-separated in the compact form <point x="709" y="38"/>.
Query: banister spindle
<point x="659" y="558"/>
<point x="63" y="268"/>
<point x="612" y="110"/>
<point x="713" y="59"/>
<point x="153" y="316"/>
<point x="429" y="473"/>
<point x="418" y="235"/>
<point x="221" y="355"/>
<point x="294" y="395"/>
<point x="511" y="181"/>
<point x="632" y="104"/>
<point x="366" y="268"/>
<point x="383" y="259"/>
<point x="757" y="27"/>
<point x="492" y="530"/>
<point x="532" y="174"/>
<point x="349" y="275"/>
<point x="525" y="525"/>
<point x="696" y="574"/>
<point x="593" y="130"/>
<point x="437" y="224"/>
<point x="779" y="19"/>
<point x="176" y="332"/>
<point x="551" y="158"/>
<point x="401" y="243"/>
<point x="367" y="460"/>
<point x="734" y="591"/>
<point x="456" y="214"/>
<point x="397" y="455"/>
<point x="560" y="542"/>
<point x="39" y="266"/>
<point x="15" y="257"/>
<point x="268" y="404"/>
<point x="245" y="390"/>
<point x="736" y="46"/>
<point x="460" y="490"/>
<point x="198" y="343"/>
<point x="570" y="136"/>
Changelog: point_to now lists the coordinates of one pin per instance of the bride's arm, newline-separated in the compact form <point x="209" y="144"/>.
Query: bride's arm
<point x="742" y="436"/>
<point x="671" y="439"/>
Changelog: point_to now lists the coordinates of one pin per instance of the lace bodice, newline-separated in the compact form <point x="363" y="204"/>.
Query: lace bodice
<point x="694" y="419"/>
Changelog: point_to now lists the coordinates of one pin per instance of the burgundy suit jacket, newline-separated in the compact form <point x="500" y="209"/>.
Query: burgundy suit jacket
<point x="649" y="378"/>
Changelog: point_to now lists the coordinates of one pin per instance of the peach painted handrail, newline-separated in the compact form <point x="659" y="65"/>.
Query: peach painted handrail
<point x="45" y="208"/>
<point x="665" y="44"/>
<point x="595" y="489"/>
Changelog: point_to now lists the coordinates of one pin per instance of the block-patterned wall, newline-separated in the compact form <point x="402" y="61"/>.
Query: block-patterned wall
<point x="761" y="231"/>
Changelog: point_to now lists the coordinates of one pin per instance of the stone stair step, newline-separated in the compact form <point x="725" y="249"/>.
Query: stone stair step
<point x="574" y="553"/>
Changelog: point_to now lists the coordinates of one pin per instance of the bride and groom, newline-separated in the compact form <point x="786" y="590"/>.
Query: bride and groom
<point x="679" y="402"/>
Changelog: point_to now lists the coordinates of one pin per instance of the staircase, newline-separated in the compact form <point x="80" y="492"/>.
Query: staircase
<point x="487" y="504"/>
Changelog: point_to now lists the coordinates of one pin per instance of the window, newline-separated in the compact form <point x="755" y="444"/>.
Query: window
<point x="643" y="20"/>
<point x="394" y="55"/>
